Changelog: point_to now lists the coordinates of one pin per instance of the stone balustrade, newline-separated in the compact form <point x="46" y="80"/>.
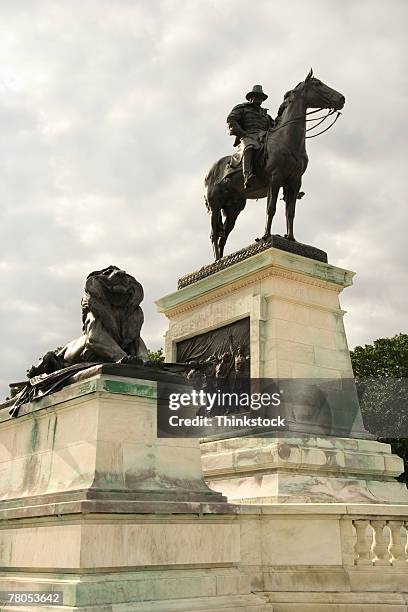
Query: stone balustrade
<point x="327" y="557"/>
<point x="379" y="541"/>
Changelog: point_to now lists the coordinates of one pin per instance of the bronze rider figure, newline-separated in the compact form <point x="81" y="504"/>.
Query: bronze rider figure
<point x="249" y="122"/>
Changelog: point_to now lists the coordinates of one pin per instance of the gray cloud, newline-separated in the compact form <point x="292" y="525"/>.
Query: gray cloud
<point x="111" y="114"/>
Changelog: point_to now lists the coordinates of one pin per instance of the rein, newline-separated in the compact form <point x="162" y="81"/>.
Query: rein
<point x="319" y="119"/>
<point x="328" y="127"/>
<point x="329" y="112"/>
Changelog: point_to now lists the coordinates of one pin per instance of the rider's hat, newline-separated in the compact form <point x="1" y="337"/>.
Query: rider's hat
<point x="258" y="90"/>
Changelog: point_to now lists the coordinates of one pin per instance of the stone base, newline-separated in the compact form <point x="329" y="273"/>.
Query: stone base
<point x="181" y="590"/>
<point x="307" y="469"/>
<point x="298" y="557"/>
<point x="150" y="563"/>
<point x="338" y="602"/>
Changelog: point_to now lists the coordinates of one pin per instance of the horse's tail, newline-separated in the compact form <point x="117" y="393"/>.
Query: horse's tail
<point x="206" y="195"/>
<point x="212" y="180"/>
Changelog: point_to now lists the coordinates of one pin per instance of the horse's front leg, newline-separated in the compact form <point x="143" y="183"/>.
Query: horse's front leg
<point x="273" y="193"/>
<point x="291" y="193"/>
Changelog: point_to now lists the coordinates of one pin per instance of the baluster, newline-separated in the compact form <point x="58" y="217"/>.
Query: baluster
<point x="380" y="545"/>
<point x="395" y="548"/>
<point x="362" y="548"/>
<point x="406" y="541"/>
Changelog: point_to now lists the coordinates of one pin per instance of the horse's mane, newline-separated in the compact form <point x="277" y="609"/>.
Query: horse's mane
<point x="285" y="102"/>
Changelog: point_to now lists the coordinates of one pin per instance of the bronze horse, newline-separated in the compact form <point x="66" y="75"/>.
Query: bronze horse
<point x="285" y="161"/>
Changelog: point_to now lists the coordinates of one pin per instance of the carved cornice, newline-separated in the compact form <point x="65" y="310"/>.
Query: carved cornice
<point x="273" y="271"/>
<point x="297" y="248"/>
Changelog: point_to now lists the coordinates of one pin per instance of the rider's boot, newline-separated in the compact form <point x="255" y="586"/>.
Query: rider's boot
<point x="248" y="168"/>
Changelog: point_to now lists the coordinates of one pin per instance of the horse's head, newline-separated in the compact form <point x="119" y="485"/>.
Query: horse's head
<point x="319" y="95"/>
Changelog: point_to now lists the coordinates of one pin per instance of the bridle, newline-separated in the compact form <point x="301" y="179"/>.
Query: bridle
<point x="330" y="112"/>
<point x="320" y="120"/>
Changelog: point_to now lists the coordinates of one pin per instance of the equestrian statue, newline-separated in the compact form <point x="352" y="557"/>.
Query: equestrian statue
<point x="271" y="155"/>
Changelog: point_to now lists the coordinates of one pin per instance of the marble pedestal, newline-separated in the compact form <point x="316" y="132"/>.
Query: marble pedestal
<point x="96" y="441"/>
<point x="296" y="323"/>
<point x="296" y="332"/>
<point x="94" y="505"/>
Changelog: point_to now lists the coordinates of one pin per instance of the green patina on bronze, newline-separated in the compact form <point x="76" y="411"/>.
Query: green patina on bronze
<point x="119" y="386"/>
<point x="64" y="395"/>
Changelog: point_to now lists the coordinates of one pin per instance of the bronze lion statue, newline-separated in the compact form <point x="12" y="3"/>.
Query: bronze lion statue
<point x="111" y="322"/>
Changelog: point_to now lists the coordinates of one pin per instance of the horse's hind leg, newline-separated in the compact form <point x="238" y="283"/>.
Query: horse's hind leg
<point x="231" y="214"/>
<point x="216" y="231"/>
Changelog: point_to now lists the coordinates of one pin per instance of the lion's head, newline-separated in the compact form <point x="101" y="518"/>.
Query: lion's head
<point x="118" y="287"/>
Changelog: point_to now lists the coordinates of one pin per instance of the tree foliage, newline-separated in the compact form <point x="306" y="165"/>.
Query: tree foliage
<point x="156" y="356"/>
<point x="385" y="357"/>
<point x="381" y="371"/>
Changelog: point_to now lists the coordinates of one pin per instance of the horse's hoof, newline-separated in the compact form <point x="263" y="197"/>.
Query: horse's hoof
<point x="264" y="238"/>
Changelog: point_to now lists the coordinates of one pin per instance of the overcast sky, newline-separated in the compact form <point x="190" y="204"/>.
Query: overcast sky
<point x="111" y="112"/>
